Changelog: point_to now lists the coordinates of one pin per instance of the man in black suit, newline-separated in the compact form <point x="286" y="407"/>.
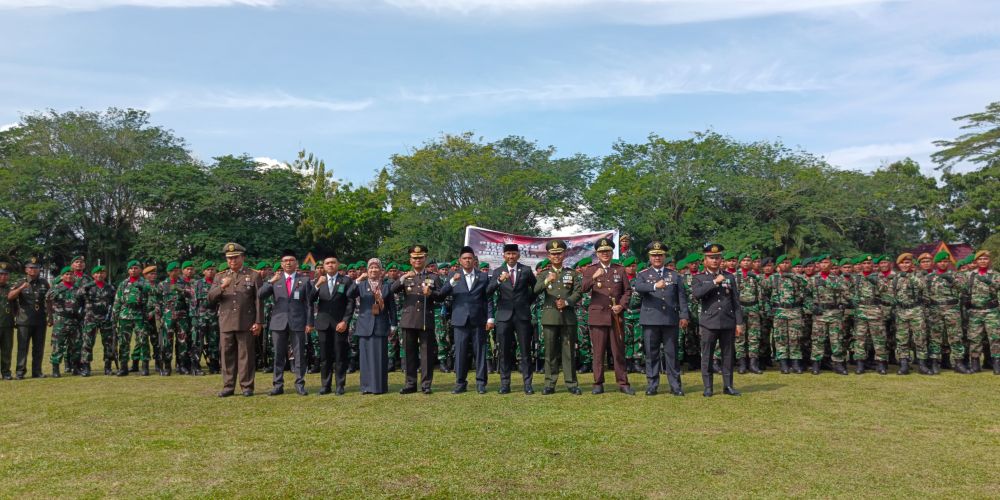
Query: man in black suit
<point x="469" y="313"/>
<point x="514" y="285"/>
<point x="721" y="317"/>
<point x="421" y="289"/>
<point x="291" y="319"/>
<point x="664" y="307"/>
<point x="333" y="316"/>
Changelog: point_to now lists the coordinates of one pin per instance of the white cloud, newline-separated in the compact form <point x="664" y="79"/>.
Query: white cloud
<point x="868" y="157"/>
<point x="267" y="163"/>
<point x="4" y="128"/>
<point x="233" y="100"/>
<point x="104" y="4"/>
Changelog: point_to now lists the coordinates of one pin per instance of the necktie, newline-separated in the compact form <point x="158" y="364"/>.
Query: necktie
<point x="330" y="284"/>
<point x="513" y="276"/>
<point x="468" y="280"/>
<point x="659" y="272"/>
<point x="288" y="286"/>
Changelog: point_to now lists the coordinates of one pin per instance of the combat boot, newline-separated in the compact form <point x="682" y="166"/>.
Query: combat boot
<point x="797" y="366"/>
<point x="55" y="370"/>
<point x="784" y="366"/>
<point x="935" y="366"/>
<point x="839" y="368"/>
<point x="135" y="365"/>
<point x="107" y="367"/>
<point x="85" y="370"/>
<point x="975" y="367"/>
<point x="881" y="367"/>
<point x="815" y="367"/>
<point x="741" y="368"/>
<point x="904" y="367"/>
<point x="196" y="369"/>
<point x="923" y="368"/>
<point x="70" y="369"/>
<point x="392" y="365"/>
<point x="960" y="368"/>
<point x="755" y="366"/>
<point x="123" y="370"/>
<point x="145" y="368"/>
<point x="861" y="367"/>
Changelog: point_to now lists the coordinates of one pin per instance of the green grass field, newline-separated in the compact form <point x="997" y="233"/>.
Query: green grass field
<point x="788" y="435"/>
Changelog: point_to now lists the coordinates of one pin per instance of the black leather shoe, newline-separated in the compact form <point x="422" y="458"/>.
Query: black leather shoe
<point x="548" y="390"/>
<point x="145" y="369"/>
<point x="627" y="390"/>
<point x="575" y="391"/>
<point x="276" y="392"/>
<point x="506" y="390"/>
<point x="427" y="391"/>
<point x="7" y="376"/>
<point x="729" y="391"/>
<point x="324" y="391"/>
<point x="707" y="393"/>
<point x="20" y="376"/>
<point x="839" y="368"/>
<point x="598" y="389"/>
<point x="339" y="391"/>
<point x="528" y="390"/>
<point x="677" y="392"/>
<point x="226" y="393"/>
<point x="458" y="390"/>
<point x="755" y="366"/>
<point x="123" y="371"/>
<point x="247" y="393"/>
<point x="301" y="390"/>
<point x="960" y="368"/>
<point x="408" y="390"/>
<point x="922" y="367"/>
<point x="107" y="367"/>
<point x="85" y="370"/>
<point x="975" y="366"/>
<point x="481" y="389"/>
<point x="650" y="391"/>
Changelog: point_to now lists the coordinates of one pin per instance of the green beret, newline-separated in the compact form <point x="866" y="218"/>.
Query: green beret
<point x="454" y="262"/>
<point x="223" y="267"/>
<point x="796" y="262"/>
<point x="668" y="259"/>
<point x="640" y="267"/>
<point x="616" y="261"/>
<point x="683" y="262"/>
<point x="207" y="264"/>
<point x="942" y="255"/>
<point x="304" y="267"/>
<point x="65" y="270"/>
<point x="484" y="265"/>
<point x="628" y="261"/>
<point x="877" y="259"/>
<point x="583" y="262"/>
<point x="262" y="265"/>
<point x="132" y="263"/>
<point x="98" y="268"/>
<point x="729" y="255"/>
<point x="965" y="261"/>
<point x="808" y="260"/>
<point x="172" y="265"/>
<point x="275" y="267"/>
<point x="78" y="257"/>
<point x="780" y="259"/>
<point x="693" y="257"/>
<point x="186" y="264"/>
<point x="755" y="255"/>
<point x="542" y="264"/>
<point x="845" y="261"/>
<point x="746" y="255"/>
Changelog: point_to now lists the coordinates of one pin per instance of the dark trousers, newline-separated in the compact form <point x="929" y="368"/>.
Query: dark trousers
<point x="653" y="337"/>
<point x="298" y="340"/>
<point x="6" y="348"/>
<point x="600" y="337"/>
<point x="414" y="339"/>
<point x="727" y="342"/>
<point x="474" y="337"/>
<point x="334" y="352"/>
<point x="237" y="352"/>
<point x="506" y="333"/>
<point x="560" y="344"/>
<point x="36" y="336"/>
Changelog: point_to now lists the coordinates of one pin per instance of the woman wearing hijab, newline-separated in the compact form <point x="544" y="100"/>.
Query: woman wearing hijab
<point x="377" y="315"/>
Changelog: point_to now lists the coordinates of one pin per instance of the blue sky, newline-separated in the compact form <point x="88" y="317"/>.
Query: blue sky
<point x="355" y="81"/>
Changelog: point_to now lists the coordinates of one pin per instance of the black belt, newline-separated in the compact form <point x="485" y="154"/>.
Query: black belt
<point x="789" y="305"/>
<point x="953" y="302"/>
<point x="986" y="307"/>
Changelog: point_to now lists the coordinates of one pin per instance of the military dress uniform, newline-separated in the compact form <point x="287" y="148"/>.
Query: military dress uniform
<point x="239" y="310"/>
<point x="417" y="323"/>
<point x="31" y="322"/>
<point x="559" y="325"/>
<point x="607" y="328"/>
<point x="661" y="309"/>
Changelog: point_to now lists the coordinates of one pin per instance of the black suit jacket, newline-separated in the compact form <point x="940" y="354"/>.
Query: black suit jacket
<point x="720" y="304"/>
<point x="336" y="307"/>
<point x="468" y="306"/>
<point x="513" y="302"/>
<point x="288" y="311"/>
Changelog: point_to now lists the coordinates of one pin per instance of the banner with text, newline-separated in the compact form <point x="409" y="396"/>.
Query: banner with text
<point x="488" y="245"/>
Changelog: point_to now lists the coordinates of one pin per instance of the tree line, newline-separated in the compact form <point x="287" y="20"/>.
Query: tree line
<point x="114" y="186"/>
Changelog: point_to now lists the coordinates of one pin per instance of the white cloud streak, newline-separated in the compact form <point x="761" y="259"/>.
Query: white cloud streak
<point x="105" y="4"/>
<point x="870" y="156"/>
<point x="270" y="100"/>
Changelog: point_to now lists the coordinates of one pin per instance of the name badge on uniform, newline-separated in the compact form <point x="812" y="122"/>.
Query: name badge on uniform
<point x="295" y="296"/>
<point x="340" y="288"/>
<point x="567" y="279"/>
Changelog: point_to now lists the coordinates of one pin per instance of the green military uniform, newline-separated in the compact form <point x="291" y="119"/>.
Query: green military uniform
<point x="909" y="295"/>
<point x="30" y="321"/>
<point x="559" y="325"/>
<point x="983" y="302"/>
<point x="98" y="298"/>
<point x="444" y="335"/>
<point x="870" y="293"/>
<point x="536" y="322"/>
<point x="633" y="332"/>
<point x="205" y="325"/>
<point x="828" y="295"/>
<point x="132" y="308"/>
<point x="945" y="317"/>
<point x="74" y="345"/>
<point x="752" y="300"/>
<point x="787" y="300"/>
<point x="6" y="324"/>
<point x="65" y="309"/>
<point x="174" y="305"/>
<point x="584" y="349"/>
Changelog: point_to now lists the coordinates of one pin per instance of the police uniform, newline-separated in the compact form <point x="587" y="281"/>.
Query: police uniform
<point x="417" y="323"/>
<point x="720" y="314"/>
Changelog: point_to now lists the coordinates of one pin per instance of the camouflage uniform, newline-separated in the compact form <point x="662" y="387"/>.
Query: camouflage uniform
<point x="909" y="293"/>
<point x="753" y="301"/>
<point x="97" y="316"/>
<point x="633" y="332"/>
<point x="584" y="348"/>
<point x="828" y="297"/>
<point x="265" y="358"/>
<point x="787" y="299"/>
<point x="175" y="306"/>
<point x="6" y="329"/>
<point x="65" y="308"/>
<point x="74" y="349"/>
<point x="205" y="325"/>
<point x="395" y="346"/>
<point x="536" y="325"/>
<point x="983" y="300"/>
<point x="870" y="293"/>
<point x="691" y="339"/>
<point x="443" y="334"/>
<point x="133" y="305"/>
<point x="945" y="316"/>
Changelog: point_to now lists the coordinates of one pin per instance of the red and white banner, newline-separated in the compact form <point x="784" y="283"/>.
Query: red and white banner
<point x="488" y="245"/>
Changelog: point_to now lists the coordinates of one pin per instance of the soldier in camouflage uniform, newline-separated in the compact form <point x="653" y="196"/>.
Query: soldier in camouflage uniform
<point x="98" y="298"/>
<point x="154" y="320"/>
<point x="847" y="326"/>
<point x="692" y="335"/>
<point x="395" y="346"/>
<point x="983" y="301"/>
<point x="871" y="292"/>
<point x="828" y="294"/>
<point x="64" y="307"/>
<point x="584" y="349"/>
<point x="788" y="297"/>
<point x="133" y="302"/>
<point x="443" y="333"/>
<point x="536" y="321"/>
<point x="633" y="332"/>
<point x="909" y="293"/>
<point x="6" y="322"/>
<point x="752" y="299"/>
<point x="945" y="316"/>
<point x="74" y="347"/>
<point x="174" y="307"/>
<point x="205" y="323"/>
